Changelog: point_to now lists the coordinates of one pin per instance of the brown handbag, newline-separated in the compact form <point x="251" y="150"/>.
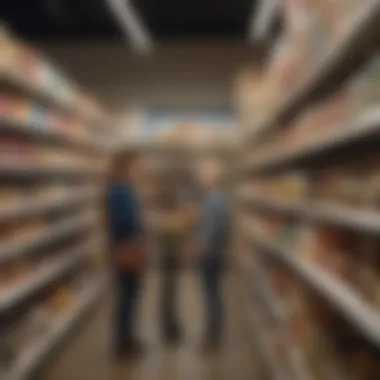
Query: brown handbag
<point x="131" y="256"/>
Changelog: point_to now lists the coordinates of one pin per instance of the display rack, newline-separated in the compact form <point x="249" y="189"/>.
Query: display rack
<point x="35" y="355"/>
<point x="314" y="247"/>
<point x="54" y="153"/>
<point x="340" y="60"/>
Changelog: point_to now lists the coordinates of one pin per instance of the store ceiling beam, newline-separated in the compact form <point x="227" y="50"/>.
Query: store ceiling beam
<point x="131" y="25"/>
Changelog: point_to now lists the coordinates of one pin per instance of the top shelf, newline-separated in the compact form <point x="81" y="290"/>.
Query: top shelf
<point x="27" y="72"/>
<point x="341" y="60"/>
<point x="18" y="85"/>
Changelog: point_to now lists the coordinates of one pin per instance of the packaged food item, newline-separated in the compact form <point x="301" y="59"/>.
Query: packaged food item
<point x="61" y="300"/>
<point x="9" y="49"/>
<point x="365" y="86"/>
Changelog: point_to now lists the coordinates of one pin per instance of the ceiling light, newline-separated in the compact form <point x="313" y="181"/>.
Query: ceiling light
<point x="262" y="18"/>
<point x="131" y="25"/>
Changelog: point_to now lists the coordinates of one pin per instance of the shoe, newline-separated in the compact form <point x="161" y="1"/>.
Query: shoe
<point x="135" y="350"/>
<point x="132" y="350"/>
<point x="172" y="339"/>
<point x="172" y="336"/>
<point x="211" y="345"/>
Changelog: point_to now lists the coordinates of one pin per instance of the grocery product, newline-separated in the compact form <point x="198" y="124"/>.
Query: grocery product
<point x="41" y="280"/>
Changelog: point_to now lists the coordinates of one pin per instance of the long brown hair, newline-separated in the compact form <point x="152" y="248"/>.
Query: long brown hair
<point x="119" y="161"/>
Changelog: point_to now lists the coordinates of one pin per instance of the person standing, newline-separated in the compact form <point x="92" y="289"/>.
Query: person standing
<point x="127" y="252"/>
<point x="170" y="220"/>
<point x="214" y="239"/>
<point x="168" y="234"/>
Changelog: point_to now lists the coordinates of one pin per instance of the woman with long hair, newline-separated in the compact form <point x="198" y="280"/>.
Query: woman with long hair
<point x="127" y="251"/>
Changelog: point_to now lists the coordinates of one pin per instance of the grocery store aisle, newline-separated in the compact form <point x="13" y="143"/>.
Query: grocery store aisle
<point x="87" y="358"/>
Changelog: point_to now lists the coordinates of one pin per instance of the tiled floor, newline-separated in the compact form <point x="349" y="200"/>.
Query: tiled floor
<point x="87" y="357"/>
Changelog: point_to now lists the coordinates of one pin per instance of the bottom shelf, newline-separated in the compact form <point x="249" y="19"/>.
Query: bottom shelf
<point x="35" y="355"/>
<point x="275" y="369"/>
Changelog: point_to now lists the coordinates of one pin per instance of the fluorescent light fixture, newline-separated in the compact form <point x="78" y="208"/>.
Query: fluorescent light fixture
<point x="262" y="18"/>
<point x="131" y="25"/>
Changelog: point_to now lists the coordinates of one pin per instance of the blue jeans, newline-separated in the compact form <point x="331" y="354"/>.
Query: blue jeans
<point x="212" y="289"/>
<point x="128" y="286"/>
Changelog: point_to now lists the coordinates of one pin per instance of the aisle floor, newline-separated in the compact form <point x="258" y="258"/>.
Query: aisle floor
<point x="87" y="356"/>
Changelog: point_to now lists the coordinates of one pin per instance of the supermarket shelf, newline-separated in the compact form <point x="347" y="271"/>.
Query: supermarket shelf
<point x="334" y="68"/>
<point x="27" y="209"/>
<point x="257" y="331"/>
<point x="40" y="131"/>
<point x="35" y="240"/>
<point x="297" y="363"/>
<point x="13" y="82"/>
<point x="32" y="171"/>
<point x="351" y="304"/>
<point x="270" y="299"/>
<point x="367" y="221"/>
<point x="343" y="138"/>
<point x="10" y="298"/>
<point x="35" y="356"/>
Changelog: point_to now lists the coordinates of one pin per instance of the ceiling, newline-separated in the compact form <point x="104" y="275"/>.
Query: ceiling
<point x="91" y="19"/>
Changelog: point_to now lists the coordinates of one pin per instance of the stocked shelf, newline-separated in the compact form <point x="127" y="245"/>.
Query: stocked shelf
<point x="328" y="147"/>
<point x="10" y="297"/>
<point x="43" y="132"/>
<point x="27" y="72"/>
<point x="37" y="170"/>
<point x="12" y="81"/>
<point x="367" y="221"/>
<point x="267" y="295"/>
<point x="54" y="151"/>
<point x="27" y="208"/>
<point x="296" y="362"/>
<point x="351" y="304"/>
<point x="34" y="356"/>
<point x="35" y="240"/>
<point x="257" y="331"/>
<point x="340" y="61"/>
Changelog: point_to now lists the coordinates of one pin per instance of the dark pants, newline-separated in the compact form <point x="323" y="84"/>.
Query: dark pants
<point x="128" y="286"/>
<point x="169" y="296"/>
<point x="212" y="289"/>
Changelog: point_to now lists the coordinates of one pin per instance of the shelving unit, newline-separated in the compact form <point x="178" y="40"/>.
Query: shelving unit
<point x="40" y="132"/>
<point x="40" y="206"/>
<point x="340" y="60"/>
<point x="54" y="158"/>
<point x="343" y="139"/>
<point x="32" y="357"/>
<point x="315" y="246"/>
<point x="365" y="221"/>
<point x="43" y="276"/>
<point x="339" y="294"/>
